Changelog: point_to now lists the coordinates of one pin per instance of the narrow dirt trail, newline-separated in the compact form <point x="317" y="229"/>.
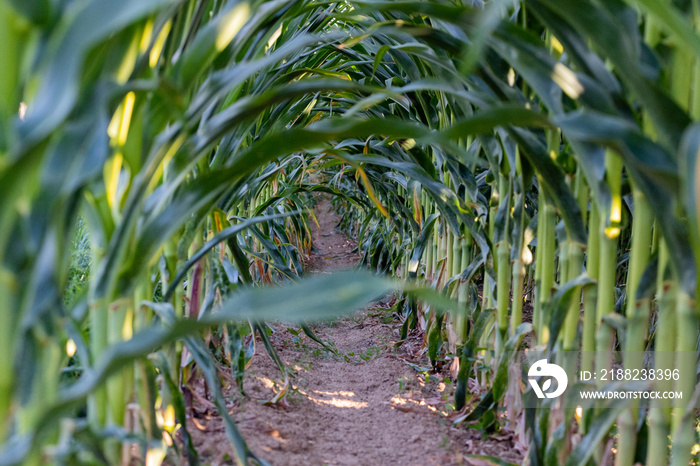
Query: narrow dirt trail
<point x="363" y="405"/>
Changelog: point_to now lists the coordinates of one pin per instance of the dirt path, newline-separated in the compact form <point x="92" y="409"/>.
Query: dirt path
<point x="363" y="405"/>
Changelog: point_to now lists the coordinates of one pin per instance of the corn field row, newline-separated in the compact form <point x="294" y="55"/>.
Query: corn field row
<point x="523" y="174"/>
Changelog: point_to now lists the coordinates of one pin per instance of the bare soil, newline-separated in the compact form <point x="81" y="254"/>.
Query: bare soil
<point x="363" y="405"/>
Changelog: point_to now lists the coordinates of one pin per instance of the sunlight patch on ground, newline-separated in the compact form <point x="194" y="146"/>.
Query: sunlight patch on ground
<point x="399" y="401"/>
<point x="338" y="393"/>
<point x="338" y="402"/>
<point x="266" y="382"/>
